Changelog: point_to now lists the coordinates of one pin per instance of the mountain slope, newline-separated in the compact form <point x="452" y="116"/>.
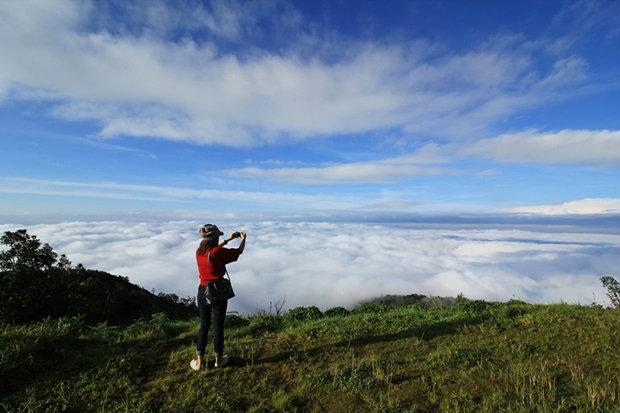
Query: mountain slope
<point x="470" y="356"/>
<point x="32" y="295"/>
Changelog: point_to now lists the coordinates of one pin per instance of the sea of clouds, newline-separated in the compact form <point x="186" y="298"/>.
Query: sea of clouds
<point x="331" y="264"/>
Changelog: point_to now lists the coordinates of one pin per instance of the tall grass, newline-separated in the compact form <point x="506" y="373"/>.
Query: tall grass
<point x="469" y="356"/>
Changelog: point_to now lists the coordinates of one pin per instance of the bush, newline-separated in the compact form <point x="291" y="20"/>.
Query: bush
<point x="475" y="306"/>
<point x="336" y="311"/>
<point x="512" y="311"/>
<point x="515" y="302"/>
<point x="263" y="323"/>
<point x="378" y="308"/>
<point x="234" y="320"/>
<point x="304" y="313"/>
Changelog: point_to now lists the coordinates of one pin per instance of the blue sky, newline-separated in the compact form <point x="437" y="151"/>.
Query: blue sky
<point x="290" y="107"/>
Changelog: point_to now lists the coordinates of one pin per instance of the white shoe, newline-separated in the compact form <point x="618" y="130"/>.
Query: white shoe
<point x="195" y="366"/>
<point x="225" y="360"/>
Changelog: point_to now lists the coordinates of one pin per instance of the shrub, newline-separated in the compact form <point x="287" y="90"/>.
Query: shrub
<point x="475" y="306"/>
<point x="512" y="311"/>
<point x="265" y="322"/>
<point x="515" y="302"/>
<point x="304" y="313"/>
<point x="336" y="311"/>
<point x="233" y="320"/>
<point x="377" y="308"/>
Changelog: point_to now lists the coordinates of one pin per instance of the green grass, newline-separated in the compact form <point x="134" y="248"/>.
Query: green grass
<point x="473" y="356"/>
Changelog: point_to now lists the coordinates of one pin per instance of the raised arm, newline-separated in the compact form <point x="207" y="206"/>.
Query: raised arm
<point x="234" y="235"/>
<point x="242" y="245"/>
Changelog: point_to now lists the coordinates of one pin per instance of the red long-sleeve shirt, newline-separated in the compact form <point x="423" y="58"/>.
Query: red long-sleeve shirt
<point x="211" y="270"/>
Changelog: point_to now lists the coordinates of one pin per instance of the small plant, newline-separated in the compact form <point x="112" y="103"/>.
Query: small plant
<point x="363" y="374"/>
<point x="275" y="307"/>
<point x="613" y="290"/>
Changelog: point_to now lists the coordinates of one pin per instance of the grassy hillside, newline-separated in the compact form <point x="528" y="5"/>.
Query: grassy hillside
<point x="470" y="356"/>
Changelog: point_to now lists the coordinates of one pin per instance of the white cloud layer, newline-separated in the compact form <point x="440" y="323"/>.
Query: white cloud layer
<point x="330" y="264"/>
<point x="142" y="83"/>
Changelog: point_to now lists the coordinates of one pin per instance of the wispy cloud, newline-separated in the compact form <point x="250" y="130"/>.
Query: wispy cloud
<point x="592" y="147"/>
<point x="598" y="147"/>
<point x="364" y="172"/>
<point x="141" y="83"/>
<point x="112" y="190"/>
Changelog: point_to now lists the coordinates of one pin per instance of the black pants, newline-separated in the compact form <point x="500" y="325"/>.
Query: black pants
<point x="219" y="313"/>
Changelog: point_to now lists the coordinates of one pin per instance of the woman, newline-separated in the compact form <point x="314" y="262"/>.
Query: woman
<point x="212" y="257"/>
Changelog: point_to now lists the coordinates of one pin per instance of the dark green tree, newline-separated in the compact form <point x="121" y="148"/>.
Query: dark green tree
<point x="25" y="253"/>
<point x="613" y="290"/>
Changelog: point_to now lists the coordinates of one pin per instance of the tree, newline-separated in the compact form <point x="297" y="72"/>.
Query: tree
<point x="25" y="252"/>
<point x="64" y="263"/>
<point x="613" y="290"/>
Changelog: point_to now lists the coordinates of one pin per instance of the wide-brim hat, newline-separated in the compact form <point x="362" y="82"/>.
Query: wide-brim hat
<point x="209" y="231"/>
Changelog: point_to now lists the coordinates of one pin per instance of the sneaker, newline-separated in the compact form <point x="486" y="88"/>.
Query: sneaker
<point x="195" y="366"/>
<point x="225" y="360"/>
